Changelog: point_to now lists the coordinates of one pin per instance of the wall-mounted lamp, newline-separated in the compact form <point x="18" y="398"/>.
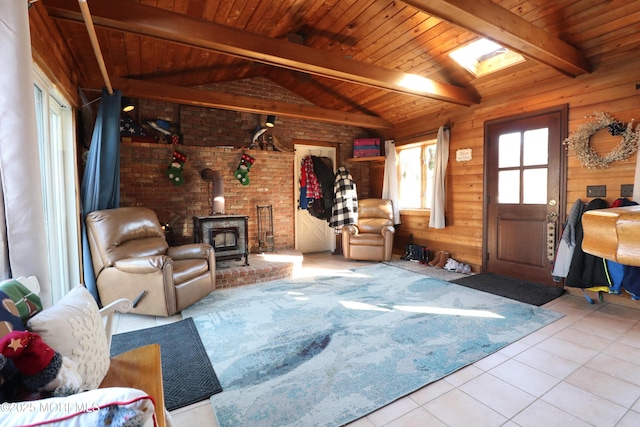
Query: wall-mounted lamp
<point x="127" y="104"/>
<point x="271" y="121"/>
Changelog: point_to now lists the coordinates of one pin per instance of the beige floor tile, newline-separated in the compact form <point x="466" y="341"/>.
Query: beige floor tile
<point x="430" y="392"/>
<point x="620" y="311"/>
<point x="392" y="411"/>
<point x="525" y="377"/>
<point x="630" y="419"/>
<point x="624" y="352"/>
<point x="463" y="375"/>
<point x="514" y="349"/>
<point x="132" y="322"/>
<point x="551" y="364"/>
<point x="605" y="386"/>
<point x="534" y="338"/>
<point x="419" y="417"/>
<point x="604" y="325"/>
<point x="559" y="325"/>
<point x="498" y="395"/>
<point x="584" y="405"/>
<point x="457" y="409"/>
<point x="617" y="368"/>
<point x="541" y="413"/>
<point x="362" y="422"/>
<point x="567" y="350"/>
<point x="199" y="414"/>
<point x="584" y="339"/>
<point x="491" y="361"/>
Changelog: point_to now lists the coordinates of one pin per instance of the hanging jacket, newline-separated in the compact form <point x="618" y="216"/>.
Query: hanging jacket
<point x="586" y="270"/>
<point x="323" y="169"/>
<point x="309" y="186"/>
<point x="345" y="200"/>
<point x="567" y="244"/>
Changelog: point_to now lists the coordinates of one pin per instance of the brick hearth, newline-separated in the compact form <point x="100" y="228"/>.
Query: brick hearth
<point x="261" y="268"/>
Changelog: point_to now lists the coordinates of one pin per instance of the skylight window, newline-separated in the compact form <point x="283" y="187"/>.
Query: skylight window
<point x="484" y="56"/>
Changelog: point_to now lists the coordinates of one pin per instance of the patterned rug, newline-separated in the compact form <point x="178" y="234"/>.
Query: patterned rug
<point x="325" y="351"/>
<point x="187" y="374"/>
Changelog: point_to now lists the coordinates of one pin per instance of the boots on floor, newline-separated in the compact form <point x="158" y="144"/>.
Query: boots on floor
<point x="444" y="257"/>
<point x="439" y="259"/>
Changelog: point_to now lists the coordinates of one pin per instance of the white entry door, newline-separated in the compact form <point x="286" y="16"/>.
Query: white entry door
<point x="312" y="234"/>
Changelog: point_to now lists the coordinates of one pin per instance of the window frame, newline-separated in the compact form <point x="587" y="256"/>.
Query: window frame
<point x="58" y="166"/>
<point x="425" y="145"/>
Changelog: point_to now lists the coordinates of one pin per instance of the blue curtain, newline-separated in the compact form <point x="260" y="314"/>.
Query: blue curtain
<point x="100" y="187"/>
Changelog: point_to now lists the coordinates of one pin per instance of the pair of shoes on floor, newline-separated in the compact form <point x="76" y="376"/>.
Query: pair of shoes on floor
<point x="440" y="259"/>
<point x="463" y="268"/>
<point x="458" y="267"/>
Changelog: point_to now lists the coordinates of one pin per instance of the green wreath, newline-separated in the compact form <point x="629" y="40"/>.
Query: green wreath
<point x="579" y="141"/>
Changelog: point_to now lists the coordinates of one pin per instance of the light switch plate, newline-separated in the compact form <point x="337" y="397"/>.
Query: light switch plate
<point x="626" y="190"/>
<point x="596" y="191"/>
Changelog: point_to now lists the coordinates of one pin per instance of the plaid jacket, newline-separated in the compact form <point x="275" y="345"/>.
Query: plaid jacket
<point x="345" y="202"/>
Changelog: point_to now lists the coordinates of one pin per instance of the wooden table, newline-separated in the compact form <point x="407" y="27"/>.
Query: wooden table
<point x="140" y="368"/>
<point x="613" y="234"/>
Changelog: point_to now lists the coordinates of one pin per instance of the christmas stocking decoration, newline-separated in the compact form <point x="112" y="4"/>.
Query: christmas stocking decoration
<point x="174" y="171"/>
<point x="242" y="172"/>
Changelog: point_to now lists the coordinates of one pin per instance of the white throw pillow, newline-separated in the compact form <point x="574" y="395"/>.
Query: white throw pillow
<point x="112" y="406"/>
<point x="73" y="327"/>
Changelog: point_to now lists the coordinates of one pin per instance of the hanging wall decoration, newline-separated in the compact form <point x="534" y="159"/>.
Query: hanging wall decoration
<point x="242" y="171"/>
<point x="579" y="141"/>
<point x="176" y="167"/>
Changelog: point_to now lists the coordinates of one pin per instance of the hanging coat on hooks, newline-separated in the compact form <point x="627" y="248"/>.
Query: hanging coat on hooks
<point x="323" y="169"/>
<point x="345" y="200"/>
<point x="309" y="186"/>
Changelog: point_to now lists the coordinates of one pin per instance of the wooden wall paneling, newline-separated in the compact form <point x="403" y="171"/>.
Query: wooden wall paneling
<point x="610" y="88"/>
<point x="55" y="59"/>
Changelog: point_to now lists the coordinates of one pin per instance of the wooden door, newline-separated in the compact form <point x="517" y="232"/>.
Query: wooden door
<point x="312" y="234"/>
<point x="524" y="194"/>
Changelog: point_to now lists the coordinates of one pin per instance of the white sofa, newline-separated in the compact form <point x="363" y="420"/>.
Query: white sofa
<point x="77" y="329"/>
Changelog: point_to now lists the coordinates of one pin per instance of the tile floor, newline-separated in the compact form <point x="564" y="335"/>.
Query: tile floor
<point x="582" y="370"/>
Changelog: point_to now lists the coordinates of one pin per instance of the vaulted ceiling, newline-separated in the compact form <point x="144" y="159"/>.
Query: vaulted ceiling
<point x="348" y="58"/>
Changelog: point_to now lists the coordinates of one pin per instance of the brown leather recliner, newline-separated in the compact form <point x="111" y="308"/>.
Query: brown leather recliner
<point x="130" y="255"/>
<point x="371" y="238"/>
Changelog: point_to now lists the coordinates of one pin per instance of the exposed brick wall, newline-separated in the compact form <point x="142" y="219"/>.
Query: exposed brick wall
<point x="215" y="139"/>
<point x="144" y="183"/>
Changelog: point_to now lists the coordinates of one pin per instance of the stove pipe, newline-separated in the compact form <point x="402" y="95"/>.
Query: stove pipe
<point x="217" y="190"/>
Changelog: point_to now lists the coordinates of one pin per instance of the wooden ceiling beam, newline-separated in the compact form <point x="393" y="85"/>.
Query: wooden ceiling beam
<point x="496" y="23"/>
<point x="224" y="101"/>
<point x="174" y="27"/>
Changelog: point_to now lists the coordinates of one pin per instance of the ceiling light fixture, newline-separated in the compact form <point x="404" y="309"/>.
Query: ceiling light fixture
<point x="127" y="104"/>
<point x="271" y="121"/>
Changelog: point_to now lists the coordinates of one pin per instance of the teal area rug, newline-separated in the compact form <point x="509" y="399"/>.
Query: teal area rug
<point x="327" y="350"/>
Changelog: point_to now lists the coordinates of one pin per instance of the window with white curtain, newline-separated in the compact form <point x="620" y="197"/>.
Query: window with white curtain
<point x="416" y="168"/>
<point x="59" y="185"/>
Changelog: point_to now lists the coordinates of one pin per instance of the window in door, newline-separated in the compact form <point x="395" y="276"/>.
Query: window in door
<point x="522" y="167"/>
<point x="416" y="167"/>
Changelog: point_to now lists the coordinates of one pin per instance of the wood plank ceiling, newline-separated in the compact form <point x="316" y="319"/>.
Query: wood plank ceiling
<point x="345" y="57"/>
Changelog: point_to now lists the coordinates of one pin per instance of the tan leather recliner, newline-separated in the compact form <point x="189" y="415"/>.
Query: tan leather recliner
<point x="130" y="255"/>
<point x="371" y="239"/>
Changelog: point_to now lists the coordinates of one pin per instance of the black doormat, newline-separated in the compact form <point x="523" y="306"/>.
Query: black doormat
<point x="187" y="374"/>
<point x="519" y="290"/>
